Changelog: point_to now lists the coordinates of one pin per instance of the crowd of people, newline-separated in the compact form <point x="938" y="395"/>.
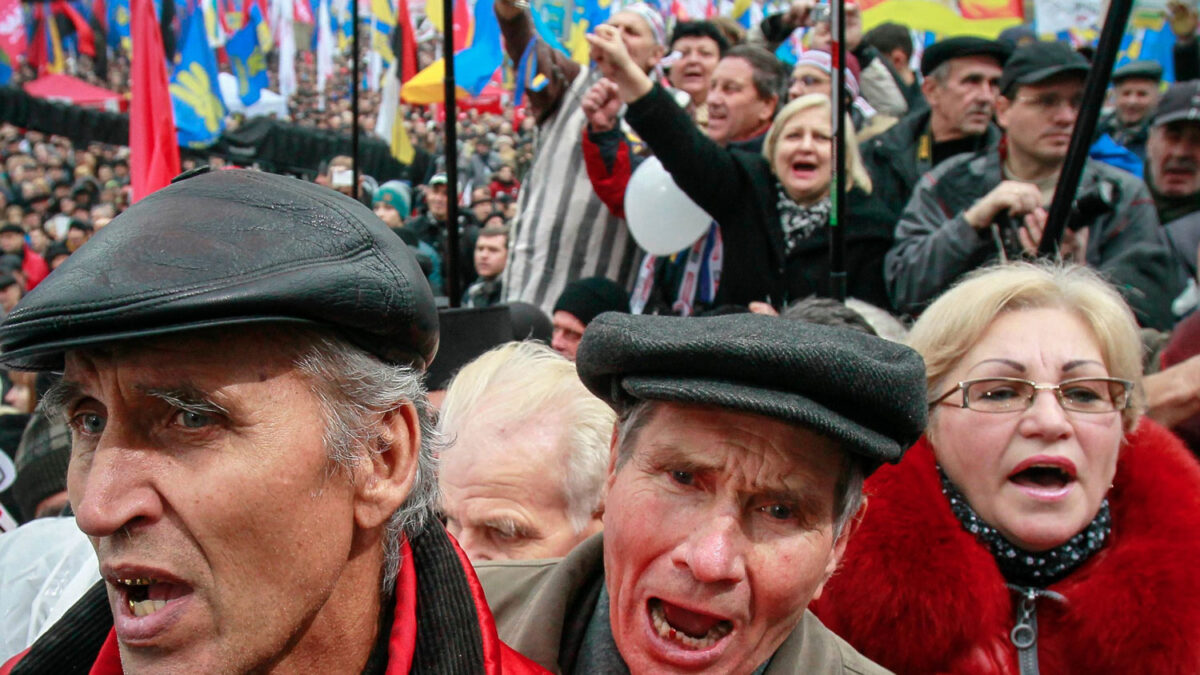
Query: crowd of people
<point x="252" y="390"/>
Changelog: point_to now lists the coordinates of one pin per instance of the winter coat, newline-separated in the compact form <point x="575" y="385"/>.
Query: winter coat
<point x="897" y="158"/>
<point x="935" y="245"/>
<point x="542" y="608"/>
<point x="740" y="192"/>
<point x="919" y="594"/>
<point x="454" y="630"/>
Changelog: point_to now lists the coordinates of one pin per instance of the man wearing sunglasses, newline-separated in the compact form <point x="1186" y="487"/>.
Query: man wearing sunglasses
<point x="975" y="209"/>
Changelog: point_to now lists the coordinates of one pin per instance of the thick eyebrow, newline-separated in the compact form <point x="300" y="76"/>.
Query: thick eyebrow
<point x="61" y="395"/>
<point x="673" y="458"/>
<point x="508" y="527"/>
<point x="185" y="397"/>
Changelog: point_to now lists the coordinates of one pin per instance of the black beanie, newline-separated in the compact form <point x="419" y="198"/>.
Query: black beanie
<point x="41" y="463"/>
<point x="588" y="298"/>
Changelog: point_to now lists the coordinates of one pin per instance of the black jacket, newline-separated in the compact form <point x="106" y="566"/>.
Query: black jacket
<point x="896" y="160"/>
<point x="740" y="192"/>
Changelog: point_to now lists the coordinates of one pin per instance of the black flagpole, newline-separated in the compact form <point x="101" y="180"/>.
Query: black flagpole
<point x="450" y="88"/>
<point x="1085" y="125"/>
<point x="354" y="98"/>
<point x="837" y="193"/>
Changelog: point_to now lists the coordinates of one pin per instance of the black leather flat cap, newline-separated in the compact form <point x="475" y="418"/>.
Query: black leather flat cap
<point x="227" y="248"/>
<point x="863" y="391"/>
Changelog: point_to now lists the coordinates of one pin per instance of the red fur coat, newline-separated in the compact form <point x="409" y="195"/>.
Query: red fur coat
<point x="917" y="593"/>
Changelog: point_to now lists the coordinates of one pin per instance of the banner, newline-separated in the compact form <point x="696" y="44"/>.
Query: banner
<point x="12" y="29"/>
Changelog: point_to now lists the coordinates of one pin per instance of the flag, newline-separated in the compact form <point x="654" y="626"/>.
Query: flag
<point x="588" y="15"/>
<point x="741" y="12"/>
<point x="153" y="152"/>
<point x="6" y="70"/>
<point x="12" y="29"/>
<point x="389" y="125"/>
<point x="199" y="111"/>
<point x="404" y="42"/>
<point x="214" y="28"/>
<point x="285" y="32"/>
<point x="460" y="22"/>
<point x="475" y="65"/>
<point x="118" y="24"/>
<point x="302" y="11"/>
<point x="991" y="9"/>
<point x="383" y="19"/>
<point x="324" y="49"/>
<point x="248" y="62"/>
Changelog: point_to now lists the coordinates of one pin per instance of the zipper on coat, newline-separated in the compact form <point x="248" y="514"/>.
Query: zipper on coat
<point x="1025" y="632"/>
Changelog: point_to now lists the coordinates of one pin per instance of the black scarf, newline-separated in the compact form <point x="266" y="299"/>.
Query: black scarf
<point x="1027" y="568"/>
<point x="448" y="636"/>
<point x="800" y="222"/>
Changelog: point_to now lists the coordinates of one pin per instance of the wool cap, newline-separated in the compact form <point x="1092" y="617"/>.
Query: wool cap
<point x="10" y="227"/>
<point x="394" y="193"/>
<point x="1040" y="61"/>
<point x="823" y="61"/>
<point x="958" y="47"/>
<point x="41" y="463"/>
<point x="227" y="248"/>
<point x="587" y="298"/>
<point x="865" y="392"/>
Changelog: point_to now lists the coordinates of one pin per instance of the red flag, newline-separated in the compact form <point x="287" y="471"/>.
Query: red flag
<point x="404" y="43"/>
<point x="83" y="32"/>
<point x="153" y="151"/>
<point x="462" y="24"/>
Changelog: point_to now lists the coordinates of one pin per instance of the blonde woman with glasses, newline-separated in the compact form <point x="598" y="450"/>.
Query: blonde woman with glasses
<point x="1040" y="523"/>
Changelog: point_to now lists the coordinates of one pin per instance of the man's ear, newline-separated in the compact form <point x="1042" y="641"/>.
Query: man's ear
<point x="839" y="546"/>
<point x="1003" y="105"/>
<point x="385" y="479"/>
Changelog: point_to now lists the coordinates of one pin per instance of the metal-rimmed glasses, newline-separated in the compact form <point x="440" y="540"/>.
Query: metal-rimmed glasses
<point x="1011" y="394"/>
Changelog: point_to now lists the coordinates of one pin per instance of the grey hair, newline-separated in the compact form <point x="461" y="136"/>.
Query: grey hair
<point x="848" y="493"/>
<point x="355" y="390"/>
<point x="941" y="74"/>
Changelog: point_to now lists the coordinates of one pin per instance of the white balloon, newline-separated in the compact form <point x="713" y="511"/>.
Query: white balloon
<point x="662" y="219"/>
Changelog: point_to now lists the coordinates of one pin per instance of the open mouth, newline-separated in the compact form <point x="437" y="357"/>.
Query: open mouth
<point x="1051" y="477"/>
<point x="687" y="628"/>
<point x="145" y="596"/>
<point x="1044" y="477"/>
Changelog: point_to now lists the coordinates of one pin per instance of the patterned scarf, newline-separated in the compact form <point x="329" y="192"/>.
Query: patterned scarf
<point x="1027" y="568"/>
<point x="800" y="222"/>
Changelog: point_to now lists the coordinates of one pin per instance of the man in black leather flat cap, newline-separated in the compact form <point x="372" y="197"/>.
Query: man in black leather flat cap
<point x="735" y="469"/>
<point x="242" y="357"/>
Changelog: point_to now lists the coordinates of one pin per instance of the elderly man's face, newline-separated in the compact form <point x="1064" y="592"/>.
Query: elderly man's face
<point x="1134" y="99"/>
<point x="1173" y="154"/>
<point x="503" y="491"/>
<point x="198" y="466"/>
<point x="718" y="533"/>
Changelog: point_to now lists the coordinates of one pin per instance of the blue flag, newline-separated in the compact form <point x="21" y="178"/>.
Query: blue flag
<point x="195" y="96"/>
<point x="475" y="65"/>
<point x="247" y="60"/>
<point x="5" y="67"/>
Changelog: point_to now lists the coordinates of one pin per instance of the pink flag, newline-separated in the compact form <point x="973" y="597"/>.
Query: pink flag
<point x="303" y="12"/>
<point x="12" y="29"/>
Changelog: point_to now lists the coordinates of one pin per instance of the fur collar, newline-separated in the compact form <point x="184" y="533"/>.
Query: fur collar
<point x="917" y="594"/>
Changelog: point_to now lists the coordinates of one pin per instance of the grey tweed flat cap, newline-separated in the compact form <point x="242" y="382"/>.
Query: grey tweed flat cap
<point x="229" y="248"/>
<point x="863" y="391"/>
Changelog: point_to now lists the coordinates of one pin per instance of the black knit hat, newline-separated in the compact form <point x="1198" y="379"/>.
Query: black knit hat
<point x="41" y="462"/>
<point x="862" y="391"/>
<point x="587" y="298"/>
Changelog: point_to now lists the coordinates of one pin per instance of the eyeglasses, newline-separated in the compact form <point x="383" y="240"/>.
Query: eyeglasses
<point x="1053" y="101"/>
<point x="1010" y="394"/>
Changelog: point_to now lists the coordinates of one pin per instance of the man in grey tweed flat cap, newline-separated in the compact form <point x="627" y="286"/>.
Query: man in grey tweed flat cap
<point x="735" y="468"/>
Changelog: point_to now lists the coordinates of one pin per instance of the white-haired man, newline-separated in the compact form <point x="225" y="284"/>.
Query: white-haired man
<point x="250" y="452"/>
<point x="523" y="474"/>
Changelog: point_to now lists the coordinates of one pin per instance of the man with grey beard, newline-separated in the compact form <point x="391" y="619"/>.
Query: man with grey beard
<point x="960" y="86"/>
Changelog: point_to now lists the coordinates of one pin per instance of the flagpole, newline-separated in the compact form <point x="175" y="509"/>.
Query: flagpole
<point x="837" y="223"/>
<point x="449" y="90"/>
<point x="1094" y="89"/>
<point x="354" y="96"/>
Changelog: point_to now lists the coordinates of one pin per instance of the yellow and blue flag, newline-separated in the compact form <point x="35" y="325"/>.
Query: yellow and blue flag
<point x="195" y="96"/>
<point x="248" y="61"/>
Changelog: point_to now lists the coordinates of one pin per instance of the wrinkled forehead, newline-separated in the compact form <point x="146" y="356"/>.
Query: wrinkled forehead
<point x="631" y="20"/>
